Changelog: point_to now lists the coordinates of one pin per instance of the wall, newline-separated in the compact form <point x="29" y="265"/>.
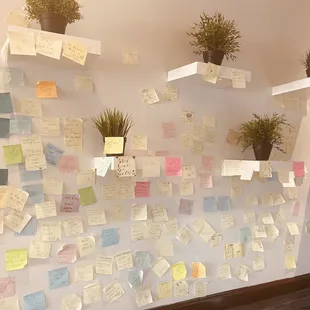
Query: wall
<point x="156" y="30"/>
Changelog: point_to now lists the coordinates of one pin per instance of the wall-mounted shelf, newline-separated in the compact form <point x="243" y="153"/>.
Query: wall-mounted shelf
<point x="293" y="95"/>
<point x="194" y="73"/>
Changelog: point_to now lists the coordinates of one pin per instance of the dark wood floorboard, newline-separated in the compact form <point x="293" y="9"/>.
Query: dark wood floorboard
<point x="295" y="301"/>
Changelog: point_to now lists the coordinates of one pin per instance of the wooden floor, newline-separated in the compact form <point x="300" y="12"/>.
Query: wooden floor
<point x="294" y="301"/>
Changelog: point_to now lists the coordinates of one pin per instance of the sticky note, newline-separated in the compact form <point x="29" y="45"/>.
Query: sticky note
<point x="139" y="143"/>
<point x="243" y="273"/>
<point x="143" y="260"/>
<point x="13" y="77"/>
<point x="20" y="125"/>
<point x="30" y="229"/>
<point x="228" y="221"/>
<point x="84" y="83"/>
<point x="150" y="167"/>
<point x="73" y="226"/>
<point x="73" y="133"/>
<point x="53" y="154"/>
<point x="125" y="166"/>
<point x="110" y="237"/>
<point x="102" y="165"/>
<point x="46" y="90"/>
<point x="104" y="264"/>
<point x="50" y="127"/>
<point x="6" y="105"/>
<point x="48" y="47"/>
<point x="31" y="107"/>
<point x="181" y="288"/>
<point x="52" y="186"/>
<point x="245" y="235"/>
<point x="160" y="267"/>
<point x="135" y="278"/>
<point x="186" y="206"/>
<point x="67" y="254"/>
<point x="22" y="43"/>
<point x="10" y="303"/>
<point x="46" y="209"/>
<point x="31" y="145"/>
<point x="13" y="154"/>
<point x="211" y="73"/>
<point x="91" y="293"/>
<point x="86" y="245"/>
<point x="7" y="287"/>
<point x="142" y="189"/>
<point x="200" y="289"/>
<point x="58" y="278"/>
<point x="35" y="301"/>
<point x="16" y="199"/>
<point x="35" y="162"/>
<point x="71" y="301"/>
<point x="4" y="127"/>
<point x="178" y="271"/>
<point x="50" y="231"/>
<point x="139" y="212"/>
<point x="113" y="292"/>
<point x="35" y="192"/>
<point x="87" y="196"/>
<point x="113" y="145"/>
<point x="164" y="290"/>
<point x="39" y="249"/>
<point x="84" y="273"/>
<point x="70" y="203"/>
<point x="259" y="263"/>
<point x="159" y="213"/>
<point x="75" y="51"/>
<point x="149" y="96"/>
<point x="224" y="271"/>
<point x="299" y="169"/>
<point x="209" y="204"/>
<point x="184" y="235"/>
<point x="198" y="270"/>
<point x="16" y="259"/>
<point x="170" y="92"/>
<point x="173" y="166"/>
<point x="124" y="260"/>
<point x="131" y="58"/>
<point x="224" y="203"/>
<point x="96" y="216"/>
<point x="86" y="178"/>
<point x="143" y="297"/>
<point x="68" y="164"/>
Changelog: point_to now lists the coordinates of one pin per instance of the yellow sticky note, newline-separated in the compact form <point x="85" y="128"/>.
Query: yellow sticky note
<point x="13" y="154"/>
<point x="46" y="89"/>
<point x="290" y="262"/>
<point x="178" y="271"/>
<point x="164" y="290"/>
<point x="114" y="145"/>
<point x="198" y="270"/>
<point x="75" y="51"/>
<point x="16" y="259"/>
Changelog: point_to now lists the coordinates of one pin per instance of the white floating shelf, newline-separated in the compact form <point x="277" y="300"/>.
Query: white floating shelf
<point x="292" y="87"/>
<point x="195" y="71"/>
<point x="93" y="46"/>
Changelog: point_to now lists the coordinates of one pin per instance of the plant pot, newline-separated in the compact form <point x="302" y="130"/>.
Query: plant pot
<point x="215" y="57"/>
<point x="115" y="155"/>
<point x="262" y="151"/>
<point x="308" y="72"/>
<point x="53" y="23"/>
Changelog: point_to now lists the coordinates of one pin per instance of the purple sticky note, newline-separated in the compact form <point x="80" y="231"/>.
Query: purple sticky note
<point x="186" y="206"/>
<point x="70" y="203"/>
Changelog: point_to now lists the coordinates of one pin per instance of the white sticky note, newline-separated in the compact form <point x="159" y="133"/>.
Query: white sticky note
<point x="184" y="235"/>
<point x="257" y="245"/>
<point x="267" y="218"/>
<point x="172" y="226"/>
<point x="259" y="263"/>
<point x="31" y="107"/>
<point x="139" y="143"/>
<point x="35" y="162"/>
<point x="15" y="199"/>
<point x="50" y="127"/>
<point x="48" y="47"/>
<point x="22" y="43"/>
<point x="39" y="249"/>
<point x="73" y="226"/>
<point x="16" y="220"/>
<point x="86" y="245"/>
<point x="124" y="260"/>
<point x="165" y="248"/>
<point x="139" y="212"/>
<point x="104" y="264"/>
<point x="84" y="273"/>
<point x="91" y="293"/>
<point x="159" y="213"/>
<point x="50" y="231"/>
<point x="160" y="267"/>
<point x="224" y="271"/>
<point x="84" y="83"/>
<point x="228" y="221"/>
<point x="86" y="178"/>
<point x="211" y="73"/>
<point x="143" y="297"/>
<point x="46" y="209"/>
<point x="96" y="216"/>
<point x="112" y="292"/>
<point x="31" y="145"/>
<point x="238" y="78"/>
<point x="243" y="273"/>
<point x="149" y="96"/>
<point x="52" y="186"/>
<point x="71" y="302"/>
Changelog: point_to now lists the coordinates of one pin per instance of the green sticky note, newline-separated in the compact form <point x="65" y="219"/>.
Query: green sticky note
<point x="87" y="196"/>
<point x="13" y="154"/>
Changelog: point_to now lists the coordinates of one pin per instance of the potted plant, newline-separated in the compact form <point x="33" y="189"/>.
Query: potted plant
<point x="53" y="15"/>
<point x="263" y="133"/>
<point x="215" y="37"/>
<point x="113" y="123"/>
<point x="305" y="61"/>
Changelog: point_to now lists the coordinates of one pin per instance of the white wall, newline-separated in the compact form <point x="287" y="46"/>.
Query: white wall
<point x="273" y="39"/>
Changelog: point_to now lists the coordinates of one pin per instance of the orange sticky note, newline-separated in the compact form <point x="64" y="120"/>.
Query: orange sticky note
<point x="198" y="270"/>
<point x="46" y="89"/>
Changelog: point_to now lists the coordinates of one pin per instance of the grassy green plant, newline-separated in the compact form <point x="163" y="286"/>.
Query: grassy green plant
<point x="113" y="123"/>
<point x="70" y="9"/>
<point x="215" y="33"/>
<point x="263" y="129"/>
<point x="305" y="59"/>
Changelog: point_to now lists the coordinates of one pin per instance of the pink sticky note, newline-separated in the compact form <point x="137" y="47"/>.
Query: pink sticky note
<point x="207" y="163"/>
<point x="142" y="189"/>
<point x="186" y="206"/>
<point x="173" y="166"/>
<point x="7" y="287"/>
<point x="299" y="169"/>
<point x="169" y="130"/>
<point x="67" y="254"/>
<point x="206" y="180"/>
<point x="68" y="164"/>
<point x="297" y="208"/>
<point x="162" y="153"/>
<point x="70" y="203"/>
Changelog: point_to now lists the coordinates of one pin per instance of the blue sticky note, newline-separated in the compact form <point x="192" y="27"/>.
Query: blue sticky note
<point x="20" y="125"/>
<point x="223" y="203"/>
<point x="135" y="278"/>
<point x="6" y="105"/>
<point x="35" y="192"/>
<point x="35" y="301"/>
<point x="58" y="278"/>
<point x="4" y="127"/>
<point x="143" y="260"/>
<point x="209" y="204"/>
<point x="53" y="154"/>
<point x="4" y="175"/>
<point x="26" y="176"/>
<point x="30" y="229"/>
<point x="13" y="76"/>
<point x="245" y="235"/>
<point x="109" y="237"/>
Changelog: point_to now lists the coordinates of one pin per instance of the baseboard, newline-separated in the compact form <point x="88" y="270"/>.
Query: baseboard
<point x="243" y="296"/>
